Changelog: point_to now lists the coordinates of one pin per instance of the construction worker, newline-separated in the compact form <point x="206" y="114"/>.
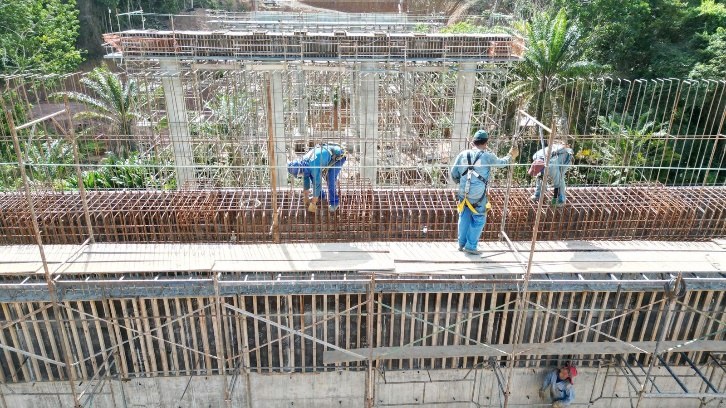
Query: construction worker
<point x="561" y="386"/>
<point x="560" y="161"/>
<point x="471" y="171"/>
<point x="322" y="161"/>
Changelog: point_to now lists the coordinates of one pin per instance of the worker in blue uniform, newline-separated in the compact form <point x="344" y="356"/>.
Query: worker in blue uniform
<point x="561" y="386"/>
<point x="560" y="161"/>
<point x="471" y="170"/>
<point x="322" y="161"/>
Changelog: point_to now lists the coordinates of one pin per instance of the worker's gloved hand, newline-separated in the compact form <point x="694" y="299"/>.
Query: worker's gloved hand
<point x="312" y="207"/>
<point x="559" y="404"/>
<point x="514" y="152"/>
<point x="306" y="200"/>
<point x="542" y="393"/>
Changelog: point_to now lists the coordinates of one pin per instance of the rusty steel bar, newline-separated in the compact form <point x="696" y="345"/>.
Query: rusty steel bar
<point x="365" y="214"/>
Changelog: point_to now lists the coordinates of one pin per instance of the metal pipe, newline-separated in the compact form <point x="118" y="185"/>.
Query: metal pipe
<point x="46" y="271"/>
<point x="665" y="323"/>
<point x="700" y="374"/>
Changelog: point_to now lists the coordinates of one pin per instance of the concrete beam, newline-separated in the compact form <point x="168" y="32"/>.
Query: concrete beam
<point x="176" y="115"/>
<point x="535" y="349"/>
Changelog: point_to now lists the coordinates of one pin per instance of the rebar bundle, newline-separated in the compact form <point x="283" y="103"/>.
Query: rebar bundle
<point x="365" y="214"/>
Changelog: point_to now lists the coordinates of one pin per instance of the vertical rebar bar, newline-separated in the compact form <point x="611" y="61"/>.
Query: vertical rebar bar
<point x="273" y="164"/>
<point x="46" y="271"/>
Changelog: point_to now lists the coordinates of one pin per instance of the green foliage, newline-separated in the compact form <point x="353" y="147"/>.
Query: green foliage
<point x="646" y="38"/>
<point x="629" y="152"/>
<point x="714" y="63"/>
<point x="551" y="54"/>
<point x="113" y="102"/>
<point x="464" y="27"/>
<point x="38" y="36"/>
<point x="132" y="172"/>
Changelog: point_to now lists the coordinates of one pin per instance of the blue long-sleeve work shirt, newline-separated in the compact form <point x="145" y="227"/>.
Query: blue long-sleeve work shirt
<point x="563" y="390"/>
<point x="483" y="167"/>
<point x="316" y="160"/>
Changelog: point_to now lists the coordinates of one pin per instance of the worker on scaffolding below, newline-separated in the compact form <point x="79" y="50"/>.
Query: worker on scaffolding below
<point x="560" y="161"/>
<point x="561" y="386"/>
<point x="471" y="171"/>
<point x="322" y="161"/>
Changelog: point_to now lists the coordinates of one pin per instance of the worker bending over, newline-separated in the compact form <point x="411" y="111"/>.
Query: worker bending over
<point x="322" y="161"/>
<point x="560" y="161"/>
<point x="471" y="171"/>
<point x="560" y="384"/>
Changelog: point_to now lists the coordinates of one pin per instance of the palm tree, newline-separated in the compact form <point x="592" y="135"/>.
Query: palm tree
<point x="112" y="103"/>
<point x="551" y="55"/>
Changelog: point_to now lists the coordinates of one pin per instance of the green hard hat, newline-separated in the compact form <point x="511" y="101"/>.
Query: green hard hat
<point x="481" y="136"/>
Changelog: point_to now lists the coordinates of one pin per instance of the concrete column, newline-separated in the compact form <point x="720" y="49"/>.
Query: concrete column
<point x="406" y="101"/>
<point x="463" y="105"/>
<point x="302" y="109"/>
<point x="368" y="119"/>
<point x="176" y="115"/>
<point x="278" y="123"/>
<point x="353" y="125"/>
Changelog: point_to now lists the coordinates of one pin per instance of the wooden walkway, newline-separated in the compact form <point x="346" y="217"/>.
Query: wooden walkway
<point x="553" y="257"/>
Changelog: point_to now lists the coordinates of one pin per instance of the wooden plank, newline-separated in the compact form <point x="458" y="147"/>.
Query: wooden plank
<point x="514" y="269"/>
<point x="87" y="336"/>
<point x="401" y="328"/>
<point x="413" y="310"/>
<point x="183" y="324"/>
<point x="110" y="310"/>
<point x="280" y="350"/>
<point x="305" y="266"/>
<point x="450" y="351"/>
<point x="291" y="324"/>
<point x="160" y="333"/>
<point x="174" y="361"/>
<point x="145" y="340"/>
<point x="191" y="321"/>
<point x="27" y="339"/>
<point x="100" y="337"/>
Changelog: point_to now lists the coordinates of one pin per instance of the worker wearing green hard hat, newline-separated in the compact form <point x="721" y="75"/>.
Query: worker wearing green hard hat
<point x="471" y="171"/>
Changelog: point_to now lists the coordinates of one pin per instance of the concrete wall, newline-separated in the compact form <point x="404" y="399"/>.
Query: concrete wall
<point x="450" y="388"/>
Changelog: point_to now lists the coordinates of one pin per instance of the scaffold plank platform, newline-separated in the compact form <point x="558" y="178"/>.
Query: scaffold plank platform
<point x="534" y="349"/>
<point x="165" y="269"/>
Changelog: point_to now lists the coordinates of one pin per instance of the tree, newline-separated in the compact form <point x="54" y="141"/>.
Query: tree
<point x="38" y="36"/>
<point x="113" y="103"/>
<point x="647" y="38"/>
<point x="551" y="54"/>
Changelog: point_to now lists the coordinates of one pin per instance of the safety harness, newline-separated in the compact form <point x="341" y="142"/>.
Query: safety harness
<point x="468" y="173"/>
<point x="334" y="158"/>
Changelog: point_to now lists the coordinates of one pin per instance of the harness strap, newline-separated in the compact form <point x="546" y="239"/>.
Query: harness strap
<point x="465" y="202"/>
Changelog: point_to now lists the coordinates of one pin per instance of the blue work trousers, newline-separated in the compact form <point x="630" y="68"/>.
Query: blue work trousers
<point x="332" y="178"/>
<point x="557" y="175"/>
<point x="470" y="227"/>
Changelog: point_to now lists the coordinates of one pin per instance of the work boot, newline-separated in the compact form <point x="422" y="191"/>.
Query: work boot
<point x="332" y="208"/>
<point x="461" y="249"/>
<point x="557" y="203"/>
<point x="472" y="251"/>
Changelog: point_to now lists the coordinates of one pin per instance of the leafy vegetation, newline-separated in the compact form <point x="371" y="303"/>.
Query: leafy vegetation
<point x="112" y="103"/>
<point x="38" y="36"/>
<point x="628" y="152"/>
